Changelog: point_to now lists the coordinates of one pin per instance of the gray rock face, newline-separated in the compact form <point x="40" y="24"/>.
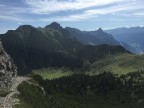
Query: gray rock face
<point x="8" y="70"/>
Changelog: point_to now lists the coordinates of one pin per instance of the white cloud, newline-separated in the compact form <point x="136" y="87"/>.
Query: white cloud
<point x="2" y="5"/>
<point x="139" y="13"/>
<point x="88" y="9"/>
<point x="48" y="6"/>
<point x="124" y="7"/>
<point x="9" y="18"/>
<point x="114" y="10"/>
<point x="8" y="12"/>
<point x="14" y="18"/>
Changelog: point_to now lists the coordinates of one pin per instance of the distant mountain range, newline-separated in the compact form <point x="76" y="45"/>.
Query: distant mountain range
<point x="33" y="48"/>
<point x="132" y="37"/>
<point x="97" y="37"/>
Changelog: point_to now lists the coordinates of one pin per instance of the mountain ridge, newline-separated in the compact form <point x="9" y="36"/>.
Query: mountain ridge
<point x="33" y="48"/>
<point x="92" y="37"/>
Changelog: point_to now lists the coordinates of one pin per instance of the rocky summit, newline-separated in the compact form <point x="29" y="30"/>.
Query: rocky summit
<point x="8" y="69"/>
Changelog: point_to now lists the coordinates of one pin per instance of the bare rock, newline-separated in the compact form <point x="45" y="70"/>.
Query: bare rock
<point x="8" y="70"/>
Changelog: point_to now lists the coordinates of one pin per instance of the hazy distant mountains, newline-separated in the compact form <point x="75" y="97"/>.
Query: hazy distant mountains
<point x="132" y="37"/>
<point x="97" y="37"/>
<point x="53" y="45"/>
<point x="92" y="37"/>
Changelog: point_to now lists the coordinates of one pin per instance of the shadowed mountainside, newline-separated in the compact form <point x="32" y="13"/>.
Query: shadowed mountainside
<point x="34" y="48"/>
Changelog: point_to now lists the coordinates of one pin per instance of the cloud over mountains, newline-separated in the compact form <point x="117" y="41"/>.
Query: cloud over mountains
<point x="30" y="11"/>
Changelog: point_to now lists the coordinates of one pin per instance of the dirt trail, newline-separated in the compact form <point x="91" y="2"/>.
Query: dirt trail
<point x="9" y="101"/>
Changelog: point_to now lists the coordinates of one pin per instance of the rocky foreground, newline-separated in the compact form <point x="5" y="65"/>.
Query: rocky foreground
<point x="8" y="80"/>
<point x="9" y="101"/>
<point x="8" y="70"/>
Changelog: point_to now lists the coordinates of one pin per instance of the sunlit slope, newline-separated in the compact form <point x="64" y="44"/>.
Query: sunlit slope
<point x="51" y="73"/>
<point x="119" y="64"/>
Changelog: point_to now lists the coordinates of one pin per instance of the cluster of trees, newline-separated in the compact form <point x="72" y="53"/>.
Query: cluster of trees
<point x="83" y="91"/>
<point x="80" y="84"/>
<point x="130" y="85"/>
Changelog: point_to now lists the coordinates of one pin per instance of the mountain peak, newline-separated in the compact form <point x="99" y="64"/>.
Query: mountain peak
<point x="24" y="28"/>
<point x="100" y="30"/>
<point x="54" y="25"/>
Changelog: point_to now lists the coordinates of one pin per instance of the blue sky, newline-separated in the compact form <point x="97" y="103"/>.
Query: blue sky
<point x="82" y="14"/>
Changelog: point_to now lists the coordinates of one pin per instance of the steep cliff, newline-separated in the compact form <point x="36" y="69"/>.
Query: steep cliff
<point x="8" y="69"/>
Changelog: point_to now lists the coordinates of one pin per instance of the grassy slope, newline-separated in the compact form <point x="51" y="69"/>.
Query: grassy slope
<point x="50" y="73"/>
<point x="119" y="64"/>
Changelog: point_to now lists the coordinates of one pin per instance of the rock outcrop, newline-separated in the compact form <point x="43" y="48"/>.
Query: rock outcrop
<point x="8" y="70"/>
